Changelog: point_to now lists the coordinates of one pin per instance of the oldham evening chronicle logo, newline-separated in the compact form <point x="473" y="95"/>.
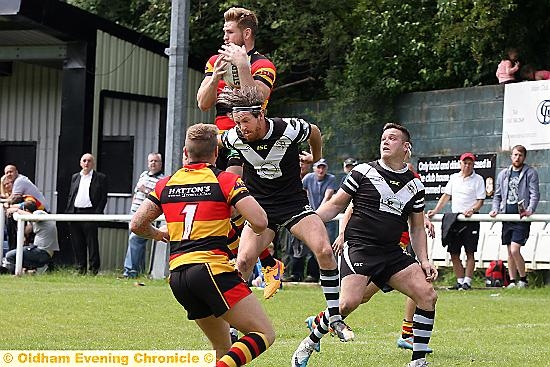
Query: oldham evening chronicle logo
<point x="543" y="112"/>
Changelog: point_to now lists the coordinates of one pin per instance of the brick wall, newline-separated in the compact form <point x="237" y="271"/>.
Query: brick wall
<point x="450" y="122"/>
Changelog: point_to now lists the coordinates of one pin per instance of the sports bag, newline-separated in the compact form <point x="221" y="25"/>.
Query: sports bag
<point x="496" y="274"/>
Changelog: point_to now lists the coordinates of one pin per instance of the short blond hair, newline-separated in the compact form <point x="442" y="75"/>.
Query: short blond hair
<point x="201" y="141"/>
<point x="244" y="18"/>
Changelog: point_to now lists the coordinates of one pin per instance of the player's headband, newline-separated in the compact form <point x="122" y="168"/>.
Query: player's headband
<point x="248" y="109"/>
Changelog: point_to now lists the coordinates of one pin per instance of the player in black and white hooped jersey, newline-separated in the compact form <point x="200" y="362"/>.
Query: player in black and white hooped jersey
<point x="386" y="196"/>
<point x="269" y="150"/>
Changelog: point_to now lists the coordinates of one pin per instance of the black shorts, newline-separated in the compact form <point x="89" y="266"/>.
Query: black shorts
<point x="467" y="235"/>
<point x="227" y="158"/>
<point x="517" y="232"/>
<point x="203" y="293"/>
<point x="379" y="265"/>
<point x="287" y="215"/>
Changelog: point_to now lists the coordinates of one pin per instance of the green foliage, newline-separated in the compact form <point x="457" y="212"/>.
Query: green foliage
<point x="360" y="54"/>
<point x="473" y="328"/>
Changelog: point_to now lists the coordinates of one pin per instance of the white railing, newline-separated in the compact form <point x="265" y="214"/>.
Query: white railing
<point x="21" y="218"/>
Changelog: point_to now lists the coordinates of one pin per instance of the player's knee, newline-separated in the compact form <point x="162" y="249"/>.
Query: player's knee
<point x="324" y="254"/>
<point x="429" y="299"/>
<point x="269" y="334"/>
<point x="347" y="306"/>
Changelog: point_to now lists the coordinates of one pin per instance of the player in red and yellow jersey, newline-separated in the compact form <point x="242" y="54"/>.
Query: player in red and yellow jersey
<point x="254" y="69"/>
<point x="196" y="202"/>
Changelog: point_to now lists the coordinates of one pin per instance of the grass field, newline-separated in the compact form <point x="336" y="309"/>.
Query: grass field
<point x="473" y="328"/>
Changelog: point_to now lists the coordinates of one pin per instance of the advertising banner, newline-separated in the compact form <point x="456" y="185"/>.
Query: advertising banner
<point x="435" y="172"/>
<point x="526" y="115"/>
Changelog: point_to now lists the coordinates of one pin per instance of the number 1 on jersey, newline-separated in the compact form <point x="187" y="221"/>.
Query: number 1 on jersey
<point x="188" y="212"/>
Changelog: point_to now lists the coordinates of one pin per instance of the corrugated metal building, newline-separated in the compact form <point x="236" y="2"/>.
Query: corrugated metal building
<point x="72" y="82"/>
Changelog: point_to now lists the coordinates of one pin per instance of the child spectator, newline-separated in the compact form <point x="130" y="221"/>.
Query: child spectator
<point x="528" y="72"/>
<point x="508" y="67"/>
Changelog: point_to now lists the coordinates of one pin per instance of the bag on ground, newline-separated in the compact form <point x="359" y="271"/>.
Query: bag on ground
<point x="496" y="274"/>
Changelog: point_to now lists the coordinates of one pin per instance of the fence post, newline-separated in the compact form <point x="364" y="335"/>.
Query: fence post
<point x="2" y="224"/>
<point x="20" y="242"/>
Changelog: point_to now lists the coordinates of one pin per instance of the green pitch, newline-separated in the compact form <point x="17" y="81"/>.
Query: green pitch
<point x="473" y="328"/>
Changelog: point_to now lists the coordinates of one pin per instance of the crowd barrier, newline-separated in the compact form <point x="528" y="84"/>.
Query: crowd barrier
<point x="536" y="251"/>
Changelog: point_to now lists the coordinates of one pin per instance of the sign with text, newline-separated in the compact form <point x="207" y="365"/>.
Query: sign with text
<point x="435" y="172"/>
<point x="526" y="115"/>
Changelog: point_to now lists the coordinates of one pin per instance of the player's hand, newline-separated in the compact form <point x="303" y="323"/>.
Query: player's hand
<point x="338" y="245"/>
<point x="429" y="270"/>
<point x="234" y="54"/>
<point x="306" y="157"/>
<point x="493" y="213"/>
<point x="220" y="68"/>
<point x="430" y="213"/>
<point x="162" y="234"/>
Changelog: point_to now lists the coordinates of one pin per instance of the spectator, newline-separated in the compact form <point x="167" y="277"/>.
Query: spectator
<point x="528" y="72"/>
<point x="466" y="189"/>
<point x="22" y="186"/>
<point x="39" y="253"/>
<point x="516" y="192"/>
<point x="87" y="195"/>
<point x="320" y="186"/>
<point x="508" y="67"/>
<point x="134" y="263"/>
<point x="6" y="186"/>
<point x="348" y="165"/>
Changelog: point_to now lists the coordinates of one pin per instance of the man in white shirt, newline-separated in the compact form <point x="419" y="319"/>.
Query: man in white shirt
<point x="87" y="195"/>
<point x="134" y="262"/>
<point x="467" y="190"/>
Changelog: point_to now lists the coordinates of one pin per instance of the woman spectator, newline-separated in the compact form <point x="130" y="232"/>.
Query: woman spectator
<point x="508" y="67"/>
<point x="5" y="187"/>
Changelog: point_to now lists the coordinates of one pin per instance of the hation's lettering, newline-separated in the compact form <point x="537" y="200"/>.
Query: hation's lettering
<point x="189" y="191"/>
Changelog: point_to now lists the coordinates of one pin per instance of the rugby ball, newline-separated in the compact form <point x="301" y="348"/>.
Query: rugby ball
<point x="231" y="76"/>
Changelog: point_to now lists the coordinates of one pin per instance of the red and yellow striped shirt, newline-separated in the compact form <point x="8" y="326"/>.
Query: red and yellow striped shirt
<point x="197" y="201"/>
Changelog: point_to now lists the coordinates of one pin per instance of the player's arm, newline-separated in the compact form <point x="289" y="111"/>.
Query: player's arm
<point x="237" y="56"/>
<point x="141" y="223"/>
<point x="444" y="199"/>
<point x="207" y="93"/>
<point x="337" y="246"/>
<point x="327" y="211"/>
<point x="315" y="144"/>
<point x="253" y="213"/>
<point x="420" y="245"/>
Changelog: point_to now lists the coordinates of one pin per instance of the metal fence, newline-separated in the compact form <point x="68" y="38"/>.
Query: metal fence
<point x="536" y="251"/>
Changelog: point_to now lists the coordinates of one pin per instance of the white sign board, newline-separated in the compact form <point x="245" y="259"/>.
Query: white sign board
<point x="526" y="115"/>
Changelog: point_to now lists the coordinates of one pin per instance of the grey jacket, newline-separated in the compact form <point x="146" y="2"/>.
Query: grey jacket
<point x="528" y="189"/>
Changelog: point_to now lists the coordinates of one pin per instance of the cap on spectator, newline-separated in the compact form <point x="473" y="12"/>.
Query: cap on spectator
<point x="320" y="162"/>
<point x="350" y="162"/>
<point x="468" y="155"/>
